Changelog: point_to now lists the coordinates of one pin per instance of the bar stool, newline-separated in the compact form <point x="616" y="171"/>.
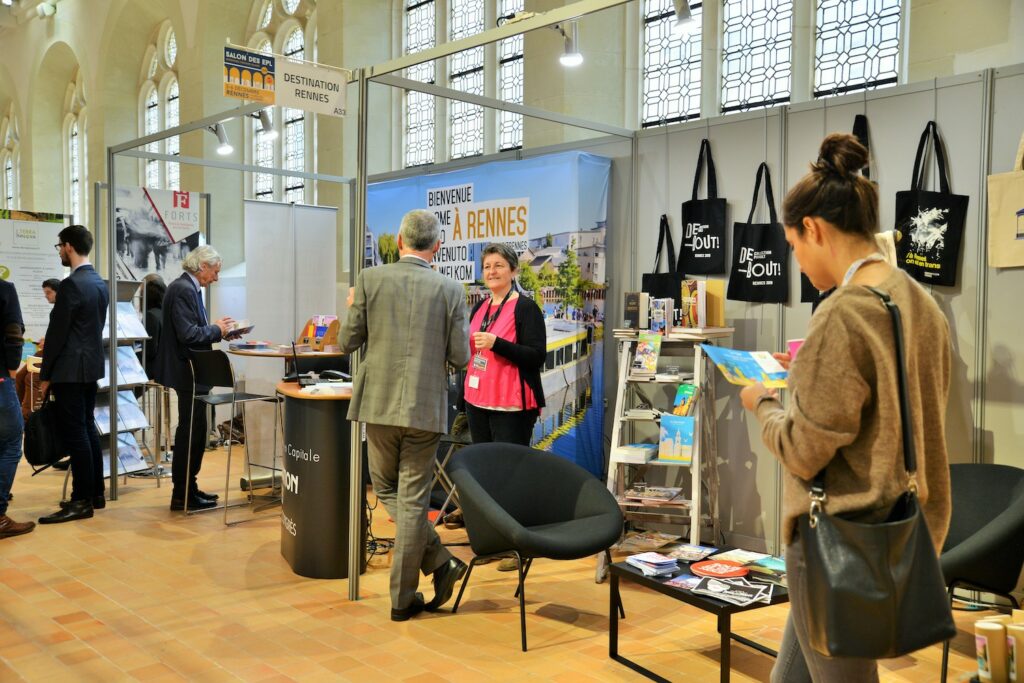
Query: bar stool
<point x="454" y="443"/>
<point x="213" y="369"/>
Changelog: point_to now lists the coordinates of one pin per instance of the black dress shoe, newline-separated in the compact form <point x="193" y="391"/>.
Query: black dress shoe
<point x="194" y="503"/>
<point x="76" y="509"/>
<point x="98" y="503"/>
<point x="407" y="613"/>
<point x="445" y="578"/>
<point x="203" y="494"/>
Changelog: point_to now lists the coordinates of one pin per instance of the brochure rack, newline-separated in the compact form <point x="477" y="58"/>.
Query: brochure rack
<point x="701" y="508"/>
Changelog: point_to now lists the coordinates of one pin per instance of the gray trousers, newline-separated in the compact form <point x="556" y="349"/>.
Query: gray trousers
<point x="401" y="469"/>
<point x="798" y="662"/>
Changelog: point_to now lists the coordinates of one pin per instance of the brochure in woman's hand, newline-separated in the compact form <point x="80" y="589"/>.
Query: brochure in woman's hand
<point x="747" y="367"/>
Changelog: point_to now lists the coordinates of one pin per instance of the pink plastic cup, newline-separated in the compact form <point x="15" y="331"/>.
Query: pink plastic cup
<point x="793" y="345"/>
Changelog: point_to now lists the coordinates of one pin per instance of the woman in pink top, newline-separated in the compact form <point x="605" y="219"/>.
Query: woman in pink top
<point x="507" y="343"/>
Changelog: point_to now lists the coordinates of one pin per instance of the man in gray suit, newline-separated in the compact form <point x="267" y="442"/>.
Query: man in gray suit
<point x="412" y="322"/>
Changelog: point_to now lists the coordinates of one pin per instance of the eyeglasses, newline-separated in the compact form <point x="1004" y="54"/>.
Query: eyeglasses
<point x="59" y="245"/>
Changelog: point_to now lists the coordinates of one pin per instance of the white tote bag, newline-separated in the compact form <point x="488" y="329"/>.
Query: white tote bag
<point x="1006" y="215"/>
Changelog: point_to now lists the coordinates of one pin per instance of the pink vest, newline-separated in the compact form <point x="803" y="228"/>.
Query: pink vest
<point x="499" y="386"/>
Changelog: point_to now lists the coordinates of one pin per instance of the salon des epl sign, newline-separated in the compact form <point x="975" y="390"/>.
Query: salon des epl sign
<point x="267" y="79"/>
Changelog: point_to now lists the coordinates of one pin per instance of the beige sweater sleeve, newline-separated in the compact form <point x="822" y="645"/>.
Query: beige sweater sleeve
<point x="827" y="396"/>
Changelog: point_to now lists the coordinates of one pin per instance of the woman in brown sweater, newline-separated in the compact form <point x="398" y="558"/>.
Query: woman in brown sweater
<point x="843" y="410"/>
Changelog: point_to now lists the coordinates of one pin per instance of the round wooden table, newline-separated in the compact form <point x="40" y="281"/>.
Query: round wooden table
<point x="274" y="353"/>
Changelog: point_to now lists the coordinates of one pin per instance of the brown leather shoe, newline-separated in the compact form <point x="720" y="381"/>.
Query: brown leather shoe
<point x="8" y="527"/>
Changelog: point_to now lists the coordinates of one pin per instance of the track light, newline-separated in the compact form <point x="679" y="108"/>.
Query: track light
<point x="224" y="148"/>
<point x="266" y="127"/>
<point x="571" y="55"/>
<point x="684" y="20"/>
<point x="46" y="9"/>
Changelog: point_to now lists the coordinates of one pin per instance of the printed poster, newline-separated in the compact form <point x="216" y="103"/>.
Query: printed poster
<point x="249" y="75"/>
<point x="156" y="230"/>
<point x="27" y="257"/>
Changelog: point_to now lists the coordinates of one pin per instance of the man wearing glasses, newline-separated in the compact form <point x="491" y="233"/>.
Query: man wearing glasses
<point x="72" y="364"/>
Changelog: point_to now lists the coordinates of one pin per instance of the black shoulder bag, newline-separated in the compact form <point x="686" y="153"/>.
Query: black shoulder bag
<point x="43" y="446"/>
<point x="703" y="247"/>
<point x="664" y="285"/>
<point x="874" y="591"/>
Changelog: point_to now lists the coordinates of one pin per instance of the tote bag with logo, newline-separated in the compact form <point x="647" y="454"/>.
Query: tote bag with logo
<point x="932" y="223"/>
<point x="703" y="248"/>
<point x="760" y="254"/>
<point x="1006" y="215"/>
<point x="664" y="285"/>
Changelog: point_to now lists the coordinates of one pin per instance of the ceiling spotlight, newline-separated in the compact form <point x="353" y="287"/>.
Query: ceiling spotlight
<point x="46" y="9"/>
<point x="224" y="148"/>
<point x="266" y="127"/>
<point x="571" y="55"/>
<point x="684" y="20"/>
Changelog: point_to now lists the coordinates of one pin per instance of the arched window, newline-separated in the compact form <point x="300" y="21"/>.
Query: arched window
<point x="294" y="127"/>
<point x="74" y="172"/>
<point x="150" y="125"/>
<point x="290" y="6"/>
<point x="172" y="117"/>
<point x="171" y="49"/>
<point x="267" y="14"/>
<point x="263" y="145"/>
<point x="8" y="179"/>
<point x="9" y="161"/>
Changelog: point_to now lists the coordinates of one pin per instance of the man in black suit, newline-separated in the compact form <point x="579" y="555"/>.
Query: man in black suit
<point x="185" y="328"/>
<point x="72" y="364"/>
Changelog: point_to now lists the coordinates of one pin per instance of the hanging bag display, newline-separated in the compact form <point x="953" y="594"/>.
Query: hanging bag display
<point x="664" y="285"/>
<point x="1006" y="215"/>
<point x="932" y="223"/>
<point x="703" y="248"/>
<point x="760" y="254"/>
<point x="874" y="590"/>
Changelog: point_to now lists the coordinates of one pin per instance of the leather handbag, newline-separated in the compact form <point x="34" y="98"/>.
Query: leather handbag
<point x="669" y="284"/>
<point x="43" y="445"/>
<point x="874" y="591"/>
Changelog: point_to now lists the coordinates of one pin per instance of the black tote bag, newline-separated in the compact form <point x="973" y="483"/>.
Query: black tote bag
<point x="874" y="590"/>
<point x="760" y="254"/>
<point x="43" y="446"/>
<point x="932" y="223"/>
<point x="664" y="285"/>
<point x="703" y="248"/>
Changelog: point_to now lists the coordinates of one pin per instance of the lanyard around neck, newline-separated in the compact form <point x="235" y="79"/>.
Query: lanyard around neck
<point x="860" y="263"/>
<point x="487" y="321"/>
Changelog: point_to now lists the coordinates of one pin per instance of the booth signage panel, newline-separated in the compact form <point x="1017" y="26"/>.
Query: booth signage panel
<point x="155" y="231"/>
<point x="249" y="75"/>
<point x="311" y="88"/>
<point x="27" y="258"/>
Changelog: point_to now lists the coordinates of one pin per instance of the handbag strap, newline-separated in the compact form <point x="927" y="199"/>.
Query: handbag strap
<point x="906" y="429"/>
<point x="664" y="235"/>
<point x="940" y="155"/>
<point x="763" y="169"/>
<point x="860" y="131"/>
<point x="705" y="145"/>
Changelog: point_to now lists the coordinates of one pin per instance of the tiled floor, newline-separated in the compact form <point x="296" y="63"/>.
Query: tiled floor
<point x="140" y="593"/>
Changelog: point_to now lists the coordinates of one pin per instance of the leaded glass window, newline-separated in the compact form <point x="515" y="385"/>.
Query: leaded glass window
<point x="263" y="155"/>
<point x="294" y="128"/>
<point x="290" y="6"/>
<point x="74" y="170"/>
<point x="151" y="125"/>
<point x="172" y="118"/>
<point x="419" y="107"/>
<point x="8" y="182"/>
<point x="857" y="45"/>
<point x="757" y="42"/>
<point x="172" y="48"/>
<point x="466" y="74"/>
<point x="510" y="81"/>
<point x="672" y="65"/>
<point x="268" y="14"/>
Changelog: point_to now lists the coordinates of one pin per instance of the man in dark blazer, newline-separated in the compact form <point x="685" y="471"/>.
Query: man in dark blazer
<point x="185" y="328"/>
<point x="412" y="321"/>
<point x="72" y="364"/>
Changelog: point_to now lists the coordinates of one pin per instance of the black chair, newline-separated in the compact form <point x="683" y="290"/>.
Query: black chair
<point x="524" y="503"/>
<point x="984" y="549"/>
<point x="213" y="369"/>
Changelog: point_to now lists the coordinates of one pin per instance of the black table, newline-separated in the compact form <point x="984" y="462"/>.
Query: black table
<point x="723" y="610"/>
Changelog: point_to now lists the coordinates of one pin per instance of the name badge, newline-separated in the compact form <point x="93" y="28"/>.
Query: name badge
<point x="479" y="362"/>
<point x="474" y="382"/>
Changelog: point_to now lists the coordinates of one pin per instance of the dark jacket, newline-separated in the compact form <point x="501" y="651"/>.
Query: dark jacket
<point x="183" y="328"/>
<point x="13" y="328"/>
<point x="154" y="323"/>
<point x="531" y="345"/>
<point x="74" y="338"/>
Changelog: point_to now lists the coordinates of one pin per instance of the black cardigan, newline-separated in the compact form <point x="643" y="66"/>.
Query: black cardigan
<point x="531" y="346"/>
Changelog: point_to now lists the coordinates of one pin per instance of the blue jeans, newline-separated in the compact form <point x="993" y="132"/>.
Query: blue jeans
<point x="11" y="429"/>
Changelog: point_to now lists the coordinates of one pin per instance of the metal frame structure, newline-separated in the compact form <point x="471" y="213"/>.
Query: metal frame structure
<point x="384" y="74"/>
<point x="133" y="149"/>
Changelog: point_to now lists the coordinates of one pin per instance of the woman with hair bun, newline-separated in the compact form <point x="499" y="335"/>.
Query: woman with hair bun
<point x="843" y="412"/>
